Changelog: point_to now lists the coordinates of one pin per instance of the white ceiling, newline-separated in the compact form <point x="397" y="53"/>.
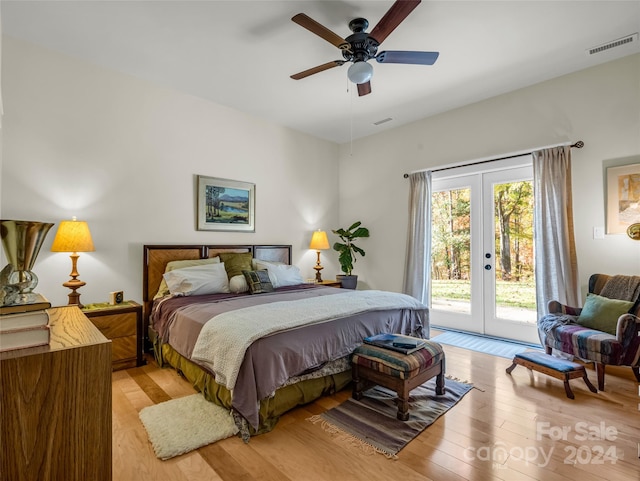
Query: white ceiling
<point x="241" y="53"/>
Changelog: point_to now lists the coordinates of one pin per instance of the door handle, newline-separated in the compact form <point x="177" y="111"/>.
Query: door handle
<point x="487" y="267"/>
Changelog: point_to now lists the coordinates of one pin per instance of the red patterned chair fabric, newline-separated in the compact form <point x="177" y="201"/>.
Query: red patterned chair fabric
<point x="559" y="329"/>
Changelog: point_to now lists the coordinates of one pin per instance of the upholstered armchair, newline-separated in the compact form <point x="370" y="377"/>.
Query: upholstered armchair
<point x="606" y="330"/>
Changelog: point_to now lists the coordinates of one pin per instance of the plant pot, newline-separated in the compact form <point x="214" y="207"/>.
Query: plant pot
<point x="347" y="282"/>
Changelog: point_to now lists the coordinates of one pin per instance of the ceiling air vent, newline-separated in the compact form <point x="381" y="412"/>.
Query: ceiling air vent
<point x="379" y="122"/>
<point x="613" y="44"/>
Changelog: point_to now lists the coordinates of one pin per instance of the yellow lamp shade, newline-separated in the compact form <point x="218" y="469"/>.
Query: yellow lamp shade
<point x="319" y="241"/>
<point x="73" y="236"/>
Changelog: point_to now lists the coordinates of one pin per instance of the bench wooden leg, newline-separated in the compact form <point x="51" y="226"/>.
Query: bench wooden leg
<point x="357" y="385"/>
<point x="440" y="381"/>
<point x="591" y="387"/>
<point x="600" y="372"/>
<point x="403" y="403"/>
<point x="512" y="367"/>
<point x="567" y="389"/>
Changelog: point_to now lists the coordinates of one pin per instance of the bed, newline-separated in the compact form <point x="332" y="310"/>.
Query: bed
<point x="263" y="351"/>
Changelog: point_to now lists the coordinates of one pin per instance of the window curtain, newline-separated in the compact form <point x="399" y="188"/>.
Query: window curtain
<point x="556" y="267"/>
<point x="418" y="259"/>
<point x="1" y="109"/>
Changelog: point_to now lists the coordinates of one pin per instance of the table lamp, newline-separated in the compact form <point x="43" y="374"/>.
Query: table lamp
<point x="73" y="236"/>
<point x="319" y="242"/>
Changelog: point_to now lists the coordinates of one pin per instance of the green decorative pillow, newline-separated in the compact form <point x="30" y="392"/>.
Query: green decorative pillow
<point x="602" y="313"/>
<point x="235" y="263"/>
<point x="258" y="281"/>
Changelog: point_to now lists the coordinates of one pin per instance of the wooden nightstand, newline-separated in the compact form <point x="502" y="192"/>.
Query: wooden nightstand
<point x="330" y="283"/>
<point x="122" y="323"/>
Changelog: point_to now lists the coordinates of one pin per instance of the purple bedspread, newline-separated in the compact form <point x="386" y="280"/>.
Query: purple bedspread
<point x="271" y="360"/>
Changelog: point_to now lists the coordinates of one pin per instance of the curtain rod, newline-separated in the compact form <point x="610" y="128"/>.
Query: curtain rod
<point x="578" y="145"/>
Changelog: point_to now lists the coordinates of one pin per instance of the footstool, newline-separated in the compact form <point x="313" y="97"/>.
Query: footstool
<point x="552" y="366"/>
<point x="372" y="365"/>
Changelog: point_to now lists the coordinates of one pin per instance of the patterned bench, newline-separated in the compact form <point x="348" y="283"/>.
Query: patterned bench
<point x="554" y="367"/>
<point x="399" y="372"/>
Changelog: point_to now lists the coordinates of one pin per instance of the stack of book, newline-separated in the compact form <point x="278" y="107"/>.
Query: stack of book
<point x="24" y="325"/>
<point x="396" y="342"/>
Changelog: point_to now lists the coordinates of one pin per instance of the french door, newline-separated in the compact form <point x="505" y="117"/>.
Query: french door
<point x="482" y="266"/>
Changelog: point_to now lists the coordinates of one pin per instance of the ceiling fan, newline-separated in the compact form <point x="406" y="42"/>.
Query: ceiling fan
<point x="360" y="46"/>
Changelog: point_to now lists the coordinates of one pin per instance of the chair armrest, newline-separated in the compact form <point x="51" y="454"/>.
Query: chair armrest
<point x="554" y="307"/>
<point x="627" y="330"/>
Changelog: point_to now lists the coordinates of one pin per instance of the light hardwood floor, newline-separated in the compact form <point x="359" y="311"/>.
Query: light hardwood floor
<point x="520" y="427"/>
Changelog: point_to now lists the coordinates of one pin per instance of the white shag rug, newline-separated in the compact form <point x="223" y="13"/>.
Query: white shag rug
<point x="181" y="425"/>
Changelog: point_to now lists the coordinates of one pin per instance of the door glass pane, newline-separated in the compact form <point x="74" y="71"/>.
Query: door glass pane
<point x="451" y="250"/>
<point x="514" y="269"/>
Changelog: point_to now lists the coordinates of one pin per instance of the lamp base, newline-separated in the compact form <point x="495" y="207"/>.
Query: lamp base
<point x="32" y="299"/>
<point x="74" y="300"/>
<point x="74" y="296"/>
<point x="318" y="276"/>
<point x="318" y="268"/>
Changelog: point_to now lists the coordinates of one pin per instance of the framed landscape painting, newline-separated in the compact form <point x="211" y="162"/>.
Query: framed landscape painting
<point x="623" y="197"/>
<point x="226" y="205"/>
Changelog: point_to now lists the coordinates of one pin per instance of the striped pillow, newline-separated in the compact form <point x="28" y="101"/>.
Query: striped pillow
<point x="258" y="281"/>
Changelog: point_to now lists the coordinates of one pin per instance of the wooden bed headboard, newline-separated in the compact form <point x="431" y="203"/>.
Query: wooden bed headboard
<point x="156" y="257"/>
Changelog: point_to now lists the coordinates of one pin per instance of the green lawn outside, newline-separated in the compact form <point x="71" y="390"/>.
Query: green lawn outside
<point x="513" y="294"/>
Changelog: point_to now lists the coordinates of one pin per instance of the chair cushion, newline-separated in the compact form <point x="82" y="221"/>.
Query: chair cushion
<point x="396" y="364"/>
<point x="542" y="359"/>
<point x="585" y="343"/>
<point x="602" y="313"/>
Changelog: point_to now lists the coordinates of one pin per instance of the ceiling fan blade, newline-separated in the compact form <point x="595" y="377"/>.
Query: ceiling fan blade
<point x="319" y="68"/>
<point x="394" y="17"/>
<point x="364" y="89"/>
<point x="322" y="31"/>
<point x="403" y="56"/>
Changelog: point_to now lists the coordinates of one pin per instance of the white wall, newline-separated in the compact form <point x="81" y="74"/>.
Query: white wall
<point x="123" y="154"/>
<point x="600" y="106"/>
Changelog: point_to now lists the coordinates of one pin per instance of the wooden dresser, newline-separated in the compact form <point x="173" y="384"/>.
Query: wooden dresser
<point x="55" y="405"/>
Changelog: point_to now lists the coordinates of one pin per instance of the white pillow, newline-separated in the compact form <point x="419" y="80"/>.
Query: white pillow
<point x="238" y="284"/>
<point x="163" y="290"/>
<point x="281" y="275"/>
<point x="198" y="280"/>
<point x="260" y="265"/>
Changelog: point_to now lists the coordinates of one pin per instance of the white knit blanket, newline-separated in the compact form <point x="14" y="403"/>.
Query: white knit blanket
<point x="224" y="339"/>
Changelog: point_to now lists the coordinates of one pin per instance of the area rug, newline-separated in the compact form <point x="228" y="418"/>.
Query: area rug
<point x="181" y="425"/>
<point x="371" y="423"/>
<point x="488" y="345"/>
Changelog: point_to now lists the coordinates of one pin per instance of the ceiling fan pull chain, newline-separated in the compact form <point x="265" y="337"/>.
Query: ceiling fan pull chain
<point x="351" y="95"/>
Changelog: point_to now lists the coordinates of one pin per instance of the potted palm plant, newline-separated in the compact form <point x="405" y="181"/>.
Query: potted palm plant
<point x="348" y="250"/>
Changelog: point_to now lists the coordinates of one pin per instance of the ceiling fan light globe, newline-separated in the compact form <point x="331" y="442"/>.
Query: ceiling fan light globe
<point x="360" y="72"/>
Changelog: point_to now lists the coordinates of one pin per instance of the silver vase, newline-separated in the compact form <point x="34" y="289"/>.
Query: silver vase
<point x="21" y="240"/>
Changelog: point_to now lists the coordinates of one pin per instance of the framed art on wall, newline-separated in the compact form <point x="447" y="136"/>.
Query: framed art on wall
<point x="623" y="197"/>
<point x="225" y="205"/>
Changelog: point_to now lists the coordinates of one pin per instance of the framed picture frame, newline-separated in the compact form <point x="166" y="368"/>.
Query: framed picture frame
<point x="225" y="205"/>
<point x="623" y="197"/>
